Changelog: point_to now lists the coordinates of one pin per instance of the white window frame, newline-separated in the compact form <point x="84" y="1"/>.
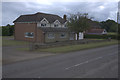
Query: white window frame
<point x="56" y="22"/>
<point x="29" y="36"/>
<point x="44" y="22"/>
<point x="56" y="25"/>
<point x="62" y="34"/>
<point x="51" y="37"/>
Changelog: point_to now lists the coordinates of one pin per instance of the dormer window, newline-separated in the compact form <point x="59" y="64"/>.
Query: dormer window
<point x="43" y="24"/>
<point x="65" y="25"/>
<point x="55" y="25"/>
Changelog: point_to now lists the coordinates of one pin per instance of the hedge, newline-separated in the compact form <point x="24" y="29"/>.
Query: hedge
<point x="102" y="36"/>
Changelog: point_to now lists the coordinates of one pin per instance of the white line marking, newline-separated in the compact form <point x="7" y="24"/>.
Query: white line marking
<point x="87" y="61"/>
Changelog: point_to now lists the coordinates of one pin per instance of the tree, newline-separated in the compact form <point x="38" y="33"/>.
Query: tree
<point x="78" y="23"/>
<point x="7" y="30"/>
<point x="109" y="25"/>
<point x="11" y="30"/>
<point x="118" y="29"/>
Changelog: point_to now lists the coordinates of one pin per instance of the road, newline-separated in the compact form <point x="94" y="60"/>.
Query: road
<point x="93" y="63"/>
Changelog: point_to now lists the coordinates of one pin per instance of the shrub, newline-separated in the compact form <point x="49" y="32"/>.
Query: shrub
<point x="101" y="36"/>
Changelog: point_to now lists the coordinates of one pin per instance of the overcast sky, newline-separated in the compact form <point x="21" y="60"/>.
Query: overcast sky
<point x="101" y="11"/>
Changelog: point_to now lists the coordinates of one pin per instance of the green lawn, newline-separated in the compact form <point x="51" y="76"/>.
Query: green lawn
<point x="112" y="33"/>
<point x="64" y="49"/>
<point x="9" y="41"/>
<point x="6" y="41"/>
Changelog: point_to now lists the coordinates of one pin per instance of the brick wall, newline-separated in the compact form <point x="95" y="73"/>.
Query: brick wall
<point x="21" y="28"/>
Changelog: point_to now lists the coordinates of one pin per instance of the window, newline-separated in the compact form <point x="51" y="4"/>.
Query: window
<point x="50" y="35"/>
<point x="55" y="25"/>
<point x="65" y="25"/>
<point x="62" y="35"/>
<point x="43" y="24"/>
<point x="29" y="34"/>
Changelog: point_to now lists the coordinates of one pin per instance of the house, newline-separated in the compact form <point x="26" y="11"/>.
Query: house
<point x="42" y="28"/>
<point x="96" y="31"/>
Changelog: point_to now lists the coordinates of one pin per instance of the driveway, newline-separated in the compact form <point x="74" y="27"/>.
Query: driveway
<point x="93" y="63"/>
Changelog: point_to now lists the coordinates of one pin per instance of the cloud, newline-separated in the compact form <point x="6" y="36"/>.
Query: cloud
<point x="99" y="10"/>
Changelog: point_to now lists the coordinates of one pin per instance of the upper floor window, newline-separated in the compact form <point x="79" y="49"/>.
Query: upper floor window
<point x="29" y="34"/>
<point x="43" y="24"/>
<point x="65" y="25"/>
<point x="56" y="25"/>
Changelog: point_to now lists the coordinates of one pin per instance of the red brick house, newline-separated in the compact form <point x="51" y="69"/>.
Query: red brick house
<point x="42" y="28"/>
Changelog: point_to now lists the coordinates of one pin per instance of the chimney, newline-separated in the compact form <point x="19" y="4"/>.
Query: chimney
<point x="64" y="17"/>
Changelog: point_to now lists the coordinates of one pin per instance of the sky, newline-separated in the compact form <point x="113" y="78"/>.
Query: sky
<point x="99" y="10"/>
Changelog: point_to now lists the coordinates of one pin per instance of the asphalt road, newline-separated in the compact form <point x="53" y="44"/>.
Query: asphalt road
<point x="92" y="63"/>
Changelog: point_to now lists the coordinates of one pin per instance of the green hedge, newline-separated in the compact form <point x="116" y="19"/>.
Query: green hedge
<point x="101" y="36"/>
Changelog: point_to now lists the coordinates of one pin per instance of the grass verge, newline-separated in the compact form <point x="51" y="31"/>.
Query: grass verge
<point x="64" y="49"/>
<point x="13" y="43"/>
<point x="8" y="41"/>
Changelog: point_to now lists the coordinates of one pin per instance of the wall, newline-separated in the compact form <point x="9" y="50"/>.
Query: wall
<point x="56" y="37"/>
<point x="40" y="36"/>
<point x="21" y="28"/>
<point x="50" y="25"/>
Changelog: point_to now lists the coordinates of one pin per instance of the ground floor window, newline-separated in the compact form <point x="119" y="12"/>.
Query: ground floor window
<point x="62" y="35"/>
<point x="29" y="34"/>
<point x="51" y="35"/>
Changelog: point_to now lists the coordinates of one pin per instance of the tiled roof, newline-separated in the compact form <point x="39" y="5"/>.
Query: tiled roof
<point x="49" y="29"/>
<point x="95" y="31"/>
<point x="38" y="17"/>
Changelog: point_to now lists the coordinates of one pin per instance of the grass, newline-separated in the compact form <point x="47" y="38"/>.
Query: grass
<point x="23" y="49"/>
<point x="64" y="49"/>
<point x="95" y="39"/>
<point x="6" y="41"/>
<point x="112" y="33"/>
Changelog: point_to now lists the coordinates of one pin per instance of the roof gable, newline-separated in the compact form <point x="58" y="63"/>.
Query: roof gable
<point x="56" y="22"/>
<point x="44" y="20"/>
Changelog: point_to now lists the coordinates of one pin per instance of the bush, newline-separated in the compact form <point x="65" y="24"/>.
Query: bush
<point x="101" y="36"/>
